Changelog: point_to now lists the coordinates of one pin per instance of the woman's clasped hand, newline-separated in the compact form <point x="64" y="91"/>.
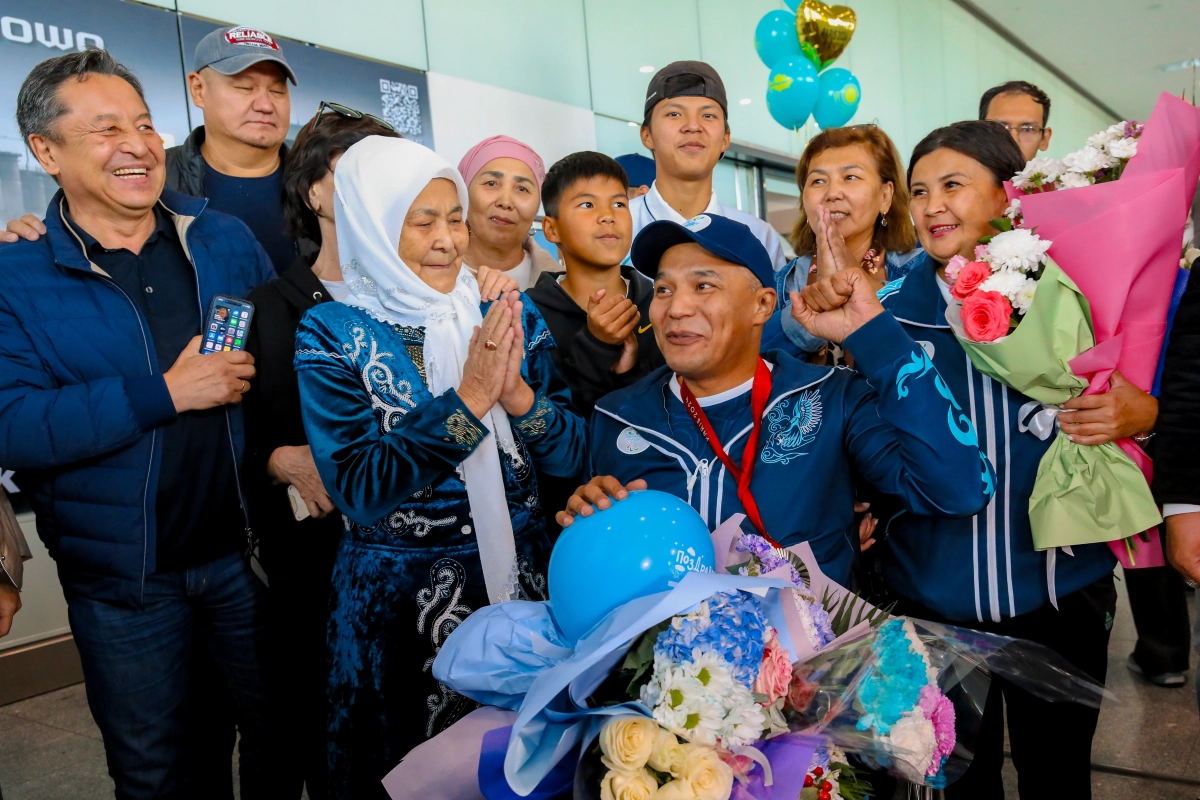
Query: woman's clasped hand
<point x="492" y="372"/>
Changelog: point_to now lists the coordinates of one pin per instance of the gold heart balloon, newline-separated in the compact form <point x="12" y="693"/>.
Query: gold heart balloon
<point x="827" y="29"/>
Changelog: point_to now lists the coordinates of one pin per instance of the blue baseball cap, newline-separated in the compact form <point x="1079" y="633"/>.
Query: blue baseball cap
<point x="638" y="168"/>
<point x="723" y="237"/>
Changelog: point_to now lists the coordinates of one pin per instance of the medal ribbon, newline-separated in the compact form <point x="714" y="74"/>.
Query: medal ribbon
<point x="760" y="393"/>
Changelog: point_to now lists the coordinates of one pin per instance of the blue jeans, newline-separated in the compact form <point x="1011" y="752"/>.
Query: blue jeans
<point x="135" y="665"/>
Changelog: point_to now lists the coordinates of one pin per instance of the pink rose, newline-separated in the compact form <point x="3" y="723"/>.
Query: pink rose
<point x="969" y="277"/>
<point x="775" y="671"/>
<point x="802" y="691"/>
<point x="985" y="316"/>
<point x="952" y="269"/>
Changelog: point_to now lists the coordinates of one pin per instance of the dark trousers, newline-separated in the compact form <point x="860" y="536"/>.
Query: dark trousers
<point x="137" y="663"/>
<point x="1159" y="604"/>
<point x="1051" y="743"/>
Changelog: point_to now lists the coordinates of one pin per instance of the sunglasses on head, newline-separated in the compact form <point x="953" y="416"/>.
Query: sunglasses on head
<point x="348" y="113"/>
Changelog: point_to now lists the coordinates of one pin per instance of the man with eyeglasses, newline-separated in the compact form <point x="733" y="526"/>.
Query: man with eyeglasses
<point x="239" y="79"/>
<point x="1024" y="110"/>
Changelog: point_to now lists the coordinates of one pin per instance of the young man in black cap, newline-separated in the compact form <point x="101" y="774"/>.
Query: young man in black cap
<point x="686" y="126"/>
<point x="781" y="441"/>
<point x="240" y="79"/>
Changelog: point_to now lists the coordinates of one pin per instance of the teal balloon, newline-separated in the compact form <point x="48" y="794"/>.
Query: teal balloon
<point x="792" y="91"/>
<point x="775" y="37"/>
<point x="639" y="546"/>
<point x="837" y="98"/>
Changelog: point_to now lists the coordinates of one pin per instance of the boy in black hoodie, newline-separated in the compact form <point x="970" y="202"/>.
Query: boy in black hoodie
<point x="595" y="310"/>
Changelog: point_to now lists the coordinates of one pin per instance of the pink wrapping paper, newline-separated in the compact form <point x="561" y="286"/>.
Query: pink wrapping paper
<point x="1120" y="243"/>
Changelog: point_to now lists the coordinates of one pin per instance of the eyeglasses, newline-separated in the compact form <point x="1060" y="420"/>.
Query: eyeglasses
<point x="348" y="113"/>
<point x="1026" y="132"/>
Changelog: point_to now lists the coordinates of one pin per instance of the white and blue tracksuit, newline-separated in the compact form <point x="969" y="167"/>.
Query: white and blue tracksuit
<point x="981" y="568"/>
<point x="823" y="428"/>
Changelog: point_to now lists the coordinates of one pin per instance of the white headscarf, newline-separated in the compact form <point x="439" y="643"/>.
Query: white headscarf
<point x="375" y="183"/>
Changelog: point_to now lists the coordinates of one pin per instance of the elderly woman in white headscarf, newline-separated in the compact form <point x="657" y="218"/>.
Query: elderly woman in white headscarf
<point x="427" y="412"/>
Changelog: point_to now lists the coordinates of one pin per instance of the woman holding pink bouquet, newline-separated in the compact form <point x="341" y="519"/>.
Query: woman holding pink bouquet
<point x="983" y="572"/>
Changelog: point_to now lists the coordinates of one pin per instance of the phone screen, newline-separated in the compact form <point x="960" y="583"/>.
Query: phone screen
<point x="227" y="325"/>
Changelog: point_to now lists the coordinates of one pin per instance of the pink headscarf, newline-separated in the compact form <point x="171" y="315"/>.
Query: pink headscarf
<point x="500" y="147"/>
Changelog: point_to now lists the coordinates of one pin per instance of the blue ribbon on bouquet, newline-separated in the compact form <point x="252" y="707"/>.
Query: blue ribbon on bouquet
<point x="1181" y="281"/>
<point x="557" y="784"/>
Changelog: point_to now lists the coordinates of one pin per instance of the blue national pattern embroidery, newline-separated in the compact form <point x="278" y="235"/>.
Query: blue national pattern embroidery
<point x="966" y="437"/>
<point x="919" y="365"/>
<point x="788" y="431"/>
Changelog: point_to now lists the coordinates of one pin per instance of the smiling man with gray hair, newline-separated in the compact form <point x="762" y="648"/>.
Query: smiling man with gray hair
<point x="127" y="436"/>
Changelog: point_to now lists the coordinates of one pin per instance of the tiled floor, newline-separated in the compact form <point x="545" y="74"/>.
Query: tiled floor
<point x="50" y="748"/>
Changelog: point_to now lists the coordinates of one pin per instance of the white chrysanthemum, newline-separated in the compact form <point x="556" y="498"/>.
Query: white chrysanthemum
<point x="1022" y="299"/>
<point x="1109" y="134"/>
<point x="1018" y="249"/>
<point x="1089" y="159"/>
<point x="1013" y="285"/>
<point x="1014" y="209"/>
<point x="1044" y="169"/>
<point x="1115" y="131"/>
<point x="744" y="719"/>
<point x="701" y="726"/>
<point x="673" y="695"/>
<point x="711" y="671"/>
<point x="1122" y="148"/>
<point x="1074" y="180"/>
<point x="915" y="741"/>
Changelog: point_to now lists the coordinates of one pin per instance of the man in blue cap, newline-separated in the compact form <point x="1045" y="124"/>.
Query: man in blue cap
<point x="640" y="171"/>
<point x="770" y="436"/>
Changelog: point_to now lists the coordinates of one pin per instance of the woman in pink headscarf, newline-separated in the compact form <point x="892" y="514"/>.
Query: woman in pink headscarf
<point x="504" y="186"/>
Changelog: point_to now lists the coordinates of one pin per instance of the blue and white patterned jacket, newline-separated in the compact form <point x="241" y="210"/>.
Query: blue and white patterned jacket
<point x="824" y="427"/>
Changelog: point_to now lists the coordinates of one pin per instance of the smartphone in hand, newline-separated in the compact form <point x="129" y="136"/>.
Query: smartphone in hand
<point x="227" y="324"/>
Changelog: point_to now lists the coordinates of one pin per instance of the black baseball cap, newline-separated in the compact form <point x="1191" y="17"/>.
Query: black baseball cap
<point x="685" y="79"/>
<point x="723" y="237"/>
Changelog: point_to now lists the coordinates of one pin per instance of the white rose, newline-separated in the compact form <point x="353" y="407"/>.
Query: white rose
<point x="627" y="742"/>
<point x="675" y="790"/>
<point x="1073" y="180"/>
<point x="1122" y="148"/>
<point x="621" y="785"/>
<point x="709" y="777"/>
<point x="668" y="754"/>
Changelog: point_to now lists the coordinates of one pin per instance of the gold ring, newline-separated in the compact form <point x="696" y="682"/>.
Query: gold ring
<point x="490" y="345"/>
<point x="243" y="389"/>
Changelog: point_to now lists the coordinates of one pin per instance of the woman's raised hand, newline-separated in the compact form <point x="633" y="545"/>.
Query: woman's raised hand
<point x="488" y="356"/>
<point x="517" y="397"/>
<point x="493" y="283"/>
<point x="832" y="254"/>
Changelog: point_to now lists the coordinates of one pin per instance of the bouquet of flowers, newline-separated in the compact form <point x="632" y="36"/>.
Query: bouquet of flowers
<point x="1054" y="302"/>
<point x="751" y="682"/>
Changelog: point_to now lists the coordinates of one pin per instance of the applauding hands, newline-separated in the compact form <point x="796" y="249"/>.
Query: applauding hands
<point x="492" y="372"/>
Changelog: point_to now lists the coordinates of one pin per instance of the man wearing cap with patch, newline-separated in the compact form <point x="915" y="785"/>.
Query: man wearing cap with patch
<point x="239" y="79"/>
<point x="770" y="436"/>
<point x="686" y="126"/>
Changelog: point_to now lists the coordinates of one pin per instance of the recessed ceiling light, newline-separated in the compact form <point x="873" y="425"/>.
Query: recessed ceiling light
<point x="745" y="101"/>
<point x="645" y="69"/>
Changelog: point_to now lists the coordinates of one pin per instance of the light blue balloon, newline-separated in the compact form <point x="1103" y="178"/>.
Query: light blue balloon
<point x="792" y="91"/>
<point x="641" y="545"/>
<point x="775" y="37"/>
<point x="837" y="98"/>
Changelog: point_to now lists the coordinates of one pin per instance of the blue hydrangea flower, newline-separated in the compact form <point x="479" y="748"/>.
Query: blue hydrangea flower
<point x="732" y="625"/>
<point x="766" y="557"/>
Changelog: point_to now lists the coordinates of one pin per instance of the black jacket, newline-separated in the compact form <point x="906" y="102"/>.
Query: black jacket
<point x="1177" y="437"/>
<point x="185" y="165"/>
<point x="584" y="361"/>
<point x="273" y="418"/>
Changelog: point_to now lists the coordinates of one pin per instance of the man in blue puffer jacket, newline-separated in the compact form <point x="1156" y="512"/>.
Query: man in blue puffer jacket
<point x="128" y="437"/>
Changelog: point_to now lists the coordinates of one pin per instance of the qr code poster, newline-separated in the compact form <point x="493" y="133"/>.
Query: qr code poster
<point x="401" y="106"/>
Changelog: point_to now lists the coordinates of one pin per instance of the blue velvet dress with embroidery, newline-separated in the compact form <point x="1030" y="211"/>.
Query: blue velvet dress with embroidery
<point x="408" y="569"/>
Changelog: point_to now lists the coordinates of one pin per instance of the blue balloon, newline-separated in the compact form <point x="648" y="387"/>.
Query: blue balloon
<point x="775" y="37"/>
<point x="637" y="547"/>
<point x="792" y="91"/>
<point x="837" y="98"/>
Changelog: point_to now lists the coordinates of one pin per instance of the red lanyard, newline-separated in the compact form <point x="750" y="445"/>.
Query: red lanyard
<point x="759" y="394"/>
